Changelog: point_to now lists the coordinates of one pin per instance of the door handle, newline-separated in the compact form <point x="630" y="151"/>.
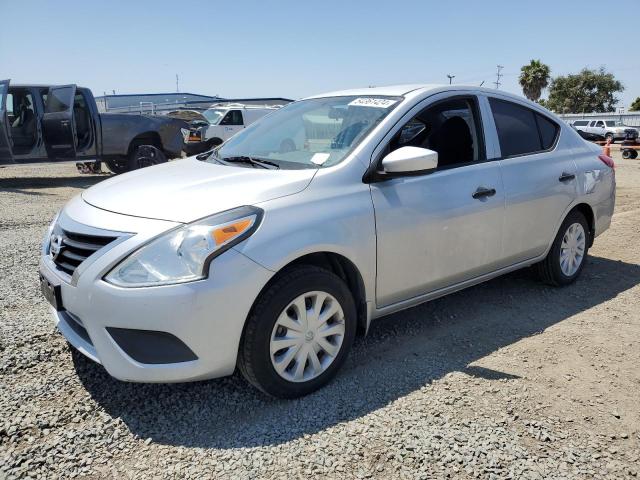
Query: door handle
<point x="482" y="192"/>
<point x="565" y="177"/>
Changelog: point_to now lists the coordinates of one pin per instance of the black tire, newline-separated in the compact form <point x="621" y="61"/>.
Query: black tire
<point x="626" y="154"/>
<point x="549" y="269"/>
<point x="117" y="166"/>
<point x="634" y="154"/>
<point x="142" y="156"/>
<point x="254" y="359"/>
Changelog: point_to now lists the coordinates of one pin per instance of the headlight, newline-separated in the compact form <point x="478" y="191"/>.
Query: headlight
<point x="47" y="236"/>
<point x="184" y="254"/>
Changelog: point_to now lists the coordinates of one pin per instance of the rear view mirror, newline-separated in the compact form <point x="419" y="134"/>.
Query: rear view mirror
<point x="410" y="159"/>
<point x="337" y="113"/>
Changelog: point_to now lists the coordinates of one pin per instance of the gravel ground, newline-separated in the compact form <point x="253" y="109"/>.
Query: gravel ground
<point x="510" y="379"/>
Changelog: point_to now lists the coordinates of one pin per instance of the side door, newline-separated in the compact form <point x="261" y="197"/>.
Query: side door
<point x="599" y="128"/>
<point x="231" y="124"/>
<point x="442" y="228"/>
<point x="58" y="123"/>
<point x="539" y="174"/>
<point x="6" y="156"/>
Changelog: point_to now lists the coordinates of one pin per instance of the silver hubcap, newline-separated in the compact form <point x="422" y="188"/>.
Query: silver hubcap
<point x="572" y="249"/>
<point x="307" y="336"/>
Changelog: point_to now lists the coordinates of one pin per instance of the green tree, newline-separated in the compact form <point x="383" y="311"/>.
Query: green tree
<point x="587" y="91"/>
<point x="534" y="78"/>
<point x="635" y="106"/>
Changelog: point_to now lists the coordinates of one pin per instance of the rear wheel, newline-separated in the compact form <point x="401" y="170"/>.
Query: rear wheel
<point x="568" y="253"/>
<point x="145" y="156"/>
<point x="299" y="333"/>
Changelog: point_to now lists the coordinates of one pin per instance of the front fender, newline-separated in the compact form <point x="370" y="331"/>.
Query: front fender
<point x="301" y="224"/>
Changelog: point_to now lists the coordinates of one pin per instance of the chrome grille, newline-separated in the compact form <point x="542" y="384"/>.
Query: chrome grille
<point x="68" y="250"/>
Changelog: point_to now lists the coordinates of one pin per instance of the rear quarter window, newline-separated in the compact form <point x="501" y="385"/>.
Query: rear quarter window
<point x="548" y="131"/>
<point x="521" y="131"/>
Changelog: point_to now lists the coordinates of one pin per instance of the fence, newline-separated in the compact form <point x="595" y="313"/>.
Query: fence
<point x="631" y="119"/>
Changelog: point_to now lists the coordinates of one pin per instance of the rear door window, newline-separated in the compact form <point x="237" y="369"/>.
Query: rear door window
<point x="521" y="131"/>
<point x="59" y="100"/>
<point x="580" y="123"/>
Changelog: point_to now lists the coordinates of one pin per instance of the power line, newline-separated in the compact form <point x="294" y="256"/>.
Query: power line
<point x="498" y="76"/>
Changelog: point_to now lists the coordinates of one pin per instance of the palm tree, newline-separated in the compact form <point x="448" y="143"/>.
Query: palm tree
<point x="534" y="78"/>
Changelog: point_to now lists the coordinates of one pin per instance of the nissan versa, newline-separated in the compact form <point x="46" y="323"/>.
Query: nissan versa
<point x="273" y="250"/>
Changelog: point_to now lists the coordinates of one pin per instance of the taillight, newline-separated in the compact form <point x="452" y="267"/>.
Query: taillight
<point x="607" y="160"/>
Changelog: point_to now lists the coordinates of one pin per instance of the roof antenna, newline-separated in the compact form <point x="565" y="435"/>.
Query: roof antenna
<point x="482" y="83"/>
<point x="450" y="77"/>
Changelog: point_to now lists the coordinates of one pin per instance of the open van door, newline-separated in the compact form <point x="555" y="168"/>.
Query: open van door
<point x="58" y="123"/>
<point x="5" y="145"/>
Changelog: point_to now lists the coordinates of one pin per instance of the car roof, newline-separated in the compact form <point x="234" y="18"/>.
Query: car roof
<point x="38" y="85"/>
<point x="401" y="90"/>
<point x="390" y="90"/>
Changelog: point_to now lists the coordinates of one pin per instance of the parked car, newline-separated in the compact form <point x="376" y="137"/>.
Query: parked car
<point x="273" y="260"/>
<point x="606" y="129"/>
<point x="40" y="123"/>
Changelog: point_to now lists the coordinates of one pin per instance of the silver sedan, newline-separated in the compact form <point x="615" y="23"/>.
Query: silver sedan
<point x="272" y="251"/>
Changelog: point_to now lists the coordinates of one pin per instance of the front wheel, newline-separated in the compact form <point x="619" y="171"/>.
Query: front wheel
<point x="117" y="166"/>
<point x="568" y="253"/>
<point x="299" y="333"/>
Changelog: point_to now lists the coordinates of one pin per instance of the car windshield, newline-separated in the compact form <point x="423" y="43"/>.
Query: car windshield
<point x="213" y="115"/>
<point x="309" y="133"/>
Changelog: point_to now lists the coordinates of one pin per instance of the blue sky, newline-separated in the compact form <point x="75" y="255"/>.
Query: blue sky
<point x="297" y="48"/>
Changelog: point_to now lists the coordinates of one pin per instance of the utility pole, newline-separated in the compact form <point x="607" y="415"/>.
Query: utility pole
<point x="177" y="84"/>
<point x="498" y="76"/>
<point x="450" y="77"/>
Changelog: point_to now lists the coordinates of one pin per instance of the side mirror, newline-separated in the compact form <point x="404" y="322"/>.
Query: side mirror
<point x="410" y="159"/>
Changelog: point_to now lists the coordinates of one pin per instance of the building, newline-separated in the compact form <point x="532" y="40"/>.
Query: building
<point x="159" y="103"/>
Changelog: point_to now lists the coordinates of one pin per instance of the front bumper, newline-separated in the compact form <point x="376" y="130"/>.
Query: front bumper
<point x="206" y="316"/>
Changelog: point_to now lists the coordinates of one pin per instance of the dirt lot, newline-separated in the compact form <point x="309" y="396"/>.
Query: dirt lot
<point x="510" y="379"/>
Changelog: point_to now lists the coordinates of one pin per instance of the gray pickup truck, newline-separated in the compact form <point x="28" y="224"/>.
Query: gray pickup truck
<point x="50" y="123"/>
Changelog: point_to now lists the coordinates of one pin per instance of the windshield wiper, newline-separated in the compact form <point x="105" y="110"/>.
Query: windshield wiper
<point x="204" y="155"/>
<point x="259" y="162"/>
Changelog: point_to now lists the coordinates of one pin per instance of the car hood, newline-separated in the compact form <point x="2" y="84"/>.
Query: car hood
<point x="187" y="190"/>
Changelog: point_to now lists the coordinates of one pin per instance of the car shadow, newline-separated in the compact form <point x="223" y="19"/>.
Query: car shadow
<point x="402" y="353"/>
<point x="30" y="185"/>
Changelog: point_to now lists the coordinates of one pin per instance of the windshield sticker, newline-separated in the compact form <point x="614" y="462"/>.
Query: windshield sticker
<point x="372" y="102"/>
<point x="320" y="158"/>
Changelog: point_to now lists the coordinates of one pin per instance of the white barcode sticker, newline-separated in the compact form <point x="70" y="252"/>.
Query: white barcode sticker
<point x="320" y="158"/>
<point x="372" y="102"/>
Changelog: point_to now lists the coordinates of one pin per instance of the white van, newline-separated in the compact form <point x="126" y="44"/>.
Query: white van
<point x="225" y="120"/>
